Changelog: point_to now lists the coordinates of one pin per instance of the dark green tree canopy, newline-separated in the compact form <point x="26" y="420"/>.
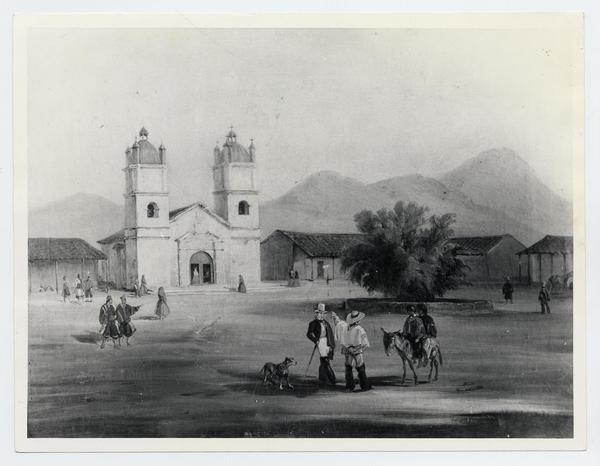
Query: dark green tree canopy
<point x="404" y="253"/>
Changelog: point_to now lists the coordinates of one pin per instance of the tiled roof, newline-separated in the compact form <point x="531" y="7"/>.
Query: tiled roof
<point x="118" y="236"/>
<point x="475" y="245"/>
<point x="323" y="244"/>
<point x="62" y="249"/>
<point x="551" y="245"/>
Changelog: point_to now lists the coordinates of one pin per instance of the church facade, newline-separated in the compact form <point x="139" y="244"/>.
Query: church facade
<point x="192" y="245"/>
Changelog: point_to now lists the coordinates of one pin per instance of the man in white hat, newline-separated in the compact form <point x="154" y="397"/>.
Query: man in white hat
<point x="353" y="340"/>
<point x="321" y="334"/>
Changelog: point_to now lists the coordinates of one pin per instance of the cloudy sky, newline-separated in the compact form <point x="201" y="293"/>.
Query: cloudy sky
<point x="369" y="104"/>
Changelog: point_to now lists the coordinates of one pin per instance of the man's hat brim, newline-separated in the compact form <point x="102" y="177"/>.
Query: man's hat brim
<point x="353" y="320"/>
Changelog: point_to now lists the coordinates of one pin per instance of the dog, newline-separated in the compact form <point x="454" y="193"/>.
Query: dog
<point x="278" y="373"/>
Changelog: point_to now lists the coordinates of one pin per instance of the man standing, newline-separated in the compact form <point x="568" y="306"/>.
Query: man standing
<point x="544" y="299"/>
<point x="507" y="291"/>
<point x="124" y="312"/>
<point x="353" y="339"/>
<point x="414" y="331"/>
<point x="108" y="320"/>
<point x="321" y="334"/>
<point x="87" y="288"/>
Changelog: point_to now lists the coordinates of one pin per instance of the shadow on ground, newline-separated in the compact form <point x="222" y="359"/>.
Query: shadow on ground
<point x="88" y="337"/>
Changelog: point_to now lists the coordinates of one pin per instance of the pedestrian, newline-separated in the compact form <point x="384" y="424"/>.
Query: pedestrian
<point x="87" y="288"/>
<point x="321" y="334"/>
<point x="136" y="287"/>
<point x="143" y="286"/>
<point x="162" y="308"/>
<point x="108" y="321"/>
<point x="414" y="330"/>
<point x="544" y="299"/>
<point x="124" y="312"/>
<point x="78" y="289"/>
<point x="241" y="285"/>
<point x="66" y="293"/>
<point x="507" y="291"/>
<point x="353" y="340"/>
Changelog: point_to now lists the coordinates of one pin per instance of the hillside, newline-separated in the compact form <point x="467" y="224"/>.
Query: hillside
<point x="500" y="179"/>
<point x="82" y="215"/>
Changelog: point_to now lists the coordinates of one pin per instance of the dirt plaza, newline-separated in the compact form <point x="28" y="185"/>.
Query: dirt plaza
<point x="506" y="373"/>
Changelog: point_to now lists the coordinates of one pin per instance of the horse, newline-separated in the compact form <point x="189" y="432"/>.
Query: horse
<point x="431" y="348"/>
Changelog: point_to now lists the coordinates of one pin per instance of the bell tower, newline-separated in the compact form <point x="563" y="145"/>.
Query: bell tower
<point x="147" y="231"/>
<point x="235" y="193"/>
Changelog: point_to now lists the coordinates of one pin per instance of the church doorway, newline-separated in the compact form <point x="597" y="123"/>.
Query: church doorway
<point x="201" y="269"/>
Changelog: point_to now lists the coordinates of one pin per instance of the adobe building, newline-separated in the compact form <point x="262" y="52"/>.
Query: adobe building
<point x="552" y="255"/>
<point x="191" y="245"/>
<point x="50" y="259"/>
<point x="315" y="256"/>
<point x="490" y="258"/>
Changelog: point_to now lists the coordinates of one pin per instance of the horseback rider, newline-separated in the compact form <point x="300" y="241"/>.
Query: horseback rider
<point x="428" y="323"/>
<point x="414" y="330"/>
<point x="321" y="334"/>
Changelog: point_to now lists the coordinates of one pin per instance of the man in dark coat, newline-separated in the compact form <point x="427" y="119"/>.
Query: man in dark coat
<point x="507" y="291"/>
<point x="124" y="312"/>
<point x="321" y="334"/>
<point x="108" y="320"/>
<point x="428" y="323"/>
<point x="414" y="330"/>
<point x="544" y="299"/>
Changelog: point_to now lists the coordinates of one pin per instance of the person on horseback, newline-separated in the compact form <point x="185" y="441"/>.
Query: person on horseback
<point x="428" y="323"/>
<point x="414" y="331"/>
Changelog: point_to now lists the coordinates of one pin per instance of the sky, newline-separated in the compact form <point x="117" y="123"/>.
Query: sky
<point x="369" y="104"/>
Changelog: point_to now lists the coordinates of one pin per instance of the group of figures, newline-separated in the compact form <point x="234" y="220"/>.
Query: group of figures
<point x="141" y="288"/>
<point x="116" y="322"/>
<point x="543" y="296"/>
<point x="418" y="328"/>
<point x="82" y="290"/>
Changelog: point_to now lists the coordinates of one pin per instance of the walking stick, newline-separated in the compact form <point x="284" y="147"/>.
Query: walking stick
<point x="310" y="360"/>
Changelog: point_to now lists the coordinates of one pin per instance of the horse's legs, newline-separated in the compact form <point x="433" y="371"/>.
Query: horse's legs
<point x="412" y="368"/>
<point x="430" y="369"/>
<point x="403" y="369"/>
<point x="435" y="377"/>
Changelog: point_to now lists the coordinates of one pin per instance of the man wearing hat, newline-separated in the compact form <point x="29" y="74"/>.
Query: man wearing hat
<point x="544" y="299"/>
<point x="321" y="334"/>
<point x="353" y="339"/>
<point x="414" y="330"/>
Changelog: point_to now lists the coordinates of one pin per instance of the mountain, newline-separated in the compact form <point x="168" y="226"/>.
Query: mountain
<point x="327" y="202"/>
<point x="82" y="215"/>
<point x="500" y="179"/>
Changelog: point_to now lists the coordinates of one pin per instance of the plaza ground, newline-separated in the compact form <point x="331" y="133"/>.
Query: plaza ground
<point x="195" y="374"/>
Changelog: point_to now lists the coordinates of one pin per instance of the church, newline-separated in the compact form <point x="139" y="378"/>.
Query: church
<point x="191" y="245"/>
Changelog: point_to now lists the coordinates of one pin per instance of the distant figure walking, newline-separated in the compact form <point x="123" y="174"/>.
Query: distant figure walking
<point x="87" y="289"/>
<point x="241" y="285"/>
<point x="108" y="321"/>
<point x="143" y="286"/>
<point x="507" y="291"/>
<point x="544" y="299"/>
<point x="136" y="287"/>
<point x="78" y="289"/>
<point x="66" y="293"/>
<point x="353" y="340"/>
<point x="162" y="308"/>
<point x="124" y="312"/>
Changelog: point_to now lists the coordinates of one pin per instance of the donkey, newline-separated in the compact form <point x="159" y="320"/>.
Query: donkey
<point x="431" y="348"/>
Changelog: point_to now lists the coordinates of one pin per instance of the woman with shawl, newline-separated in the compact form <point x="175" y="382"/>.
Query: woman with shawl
<point x="162" y="308"/>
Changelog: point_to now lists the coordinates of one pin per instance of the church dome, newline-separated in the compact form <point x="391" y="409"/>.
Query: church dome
<point x="148" y="154"/>
<point x="233" y="151"/>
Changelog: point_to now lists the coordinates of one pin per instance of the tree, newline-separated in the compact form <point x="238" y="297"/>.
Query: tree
<point x="405" y="254"/>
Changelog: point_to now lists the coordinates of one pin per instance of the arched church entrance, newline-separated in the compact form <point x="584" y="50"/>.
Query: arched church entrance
<point x="202" y="270"/>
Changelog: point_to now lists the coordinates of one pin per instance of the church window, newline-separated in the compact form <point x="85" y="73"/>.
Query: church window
<point x="243" y="208"/>
<point x="152" y="210"/>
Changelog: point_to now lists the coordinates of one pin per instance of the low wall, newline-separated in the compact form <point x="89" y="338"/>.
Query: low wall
<point x="400" y="307"/>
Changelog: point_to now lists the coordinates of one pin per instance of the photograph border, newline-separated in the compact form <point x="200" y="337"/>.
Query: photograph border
<point x="23" y="23"/>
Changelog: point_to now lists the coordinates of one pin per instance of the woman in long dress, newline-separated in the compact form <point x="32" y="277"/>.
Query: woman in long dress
<point x="241" y="285"/>
<point x="162" y="308"/>
<point x="78" y="289"/>
<point x="143" y="286"/>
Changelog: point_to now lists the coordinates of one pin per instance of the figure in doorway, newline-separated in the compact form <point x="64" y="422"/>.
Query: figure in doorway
<point x="195" y="274"/>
